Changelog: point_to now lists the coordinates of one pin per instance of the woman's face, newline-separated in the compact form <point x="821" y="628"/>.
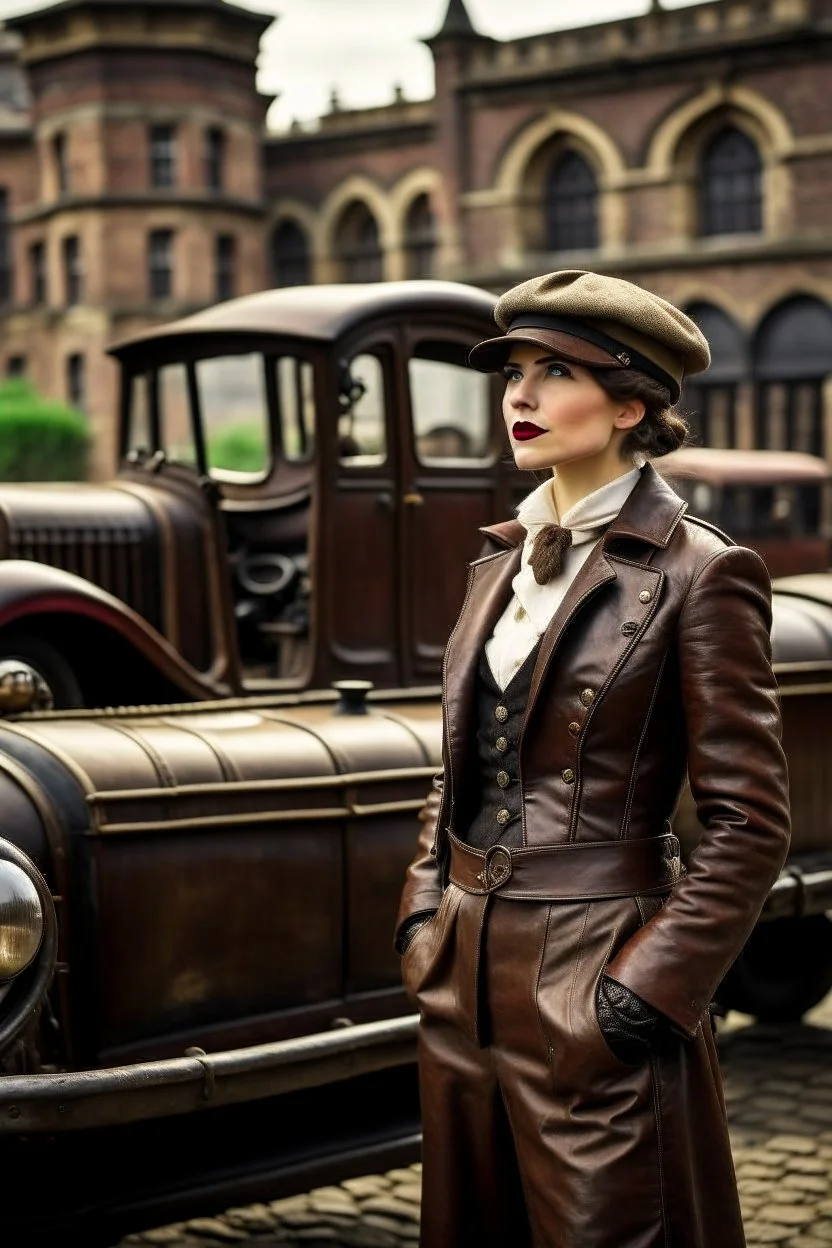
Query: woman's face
<point x="556" y="413"/>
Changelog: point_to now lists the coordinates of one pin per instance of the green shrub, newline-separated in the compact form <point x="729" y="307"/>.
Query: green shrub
<point x="238" y="448"/>
<point x="40" y="439"/>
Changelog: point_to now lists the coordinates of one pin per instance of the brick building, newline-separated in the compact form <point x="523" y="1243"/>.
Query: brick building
<point x="689" y="150"/>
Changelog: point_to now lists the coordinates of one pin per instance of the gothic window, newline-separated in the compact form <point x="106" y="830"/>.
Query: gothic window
<point x="160" y="264"/>
<point x="358" y="246"/>
<point x="571" y="204"/>
<point x="792" y="358"/>
<point x="730" y="188"/>
<point x="709" y="401"/>
<point x="420" y="238"/>
<point x="290" y="256"/>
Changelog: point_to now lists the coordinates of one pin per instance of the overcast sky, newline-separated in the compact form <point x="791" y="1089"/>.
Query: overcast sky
<point x="363" y="48"/>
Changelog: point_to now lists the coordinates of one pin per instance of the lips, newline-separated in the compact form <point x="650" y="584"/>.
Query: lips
<point x="524" y="431"/>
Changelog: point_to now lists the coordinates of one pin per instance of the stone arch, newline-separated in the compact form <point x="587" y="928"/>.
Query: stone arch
<point x="295" y="212"/>
<point x="521" y="169"/>
<point x="792" y="364"/>
<point x="409" y="188"/>
<point x="355" y="189"/>
<point x="715" y="402"/>
<point x="677" y="144"/>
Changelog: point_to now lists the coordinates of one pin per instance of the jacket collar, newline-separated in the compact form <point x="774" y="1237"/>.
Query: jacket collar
<point x="650" y="514"/>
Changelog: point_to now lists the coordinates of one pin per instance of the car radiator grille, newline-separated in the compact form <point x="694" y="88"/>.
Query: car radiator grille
<point x="117" y="559"/>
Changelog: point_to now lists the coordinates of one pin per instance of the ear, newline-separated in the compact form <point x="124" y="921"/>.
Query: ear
<point x="630" y="414"/>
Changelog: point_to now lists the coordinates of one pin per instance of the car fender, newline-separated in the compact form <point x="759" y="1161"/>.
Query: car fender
<point x="67" y="609"/>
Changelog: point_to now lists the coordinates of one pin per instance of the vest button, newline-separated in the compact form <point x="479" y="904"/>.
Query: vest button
<point x="503" y="816"/>
<point x="587" y="696"/>
<point x="501" y="714"/>
<point x="645" y="595"/>
<point x="568" y="775"/>
<point x="501" y="744"/>
<point x="574" y="728"/>
<point x="503" y="779"/>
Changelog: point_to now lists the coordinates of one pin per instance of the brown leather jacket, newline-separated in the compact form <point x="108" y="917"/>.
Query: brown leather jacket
<point x="657" y="659"/>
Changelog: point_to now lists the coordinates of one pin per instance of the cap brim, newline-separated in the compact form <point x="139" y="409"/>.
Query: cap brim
<point x="492" y="354"/>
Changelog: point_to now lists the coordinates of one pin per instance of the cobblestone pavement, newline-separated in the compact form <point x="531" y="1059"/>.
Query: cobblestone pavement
<point x="778" y="1085"/>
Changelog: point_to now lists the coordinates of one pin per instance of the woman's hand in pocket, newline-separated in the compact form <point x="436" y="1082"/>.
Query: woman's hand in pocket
<point x="630" y="1026"/>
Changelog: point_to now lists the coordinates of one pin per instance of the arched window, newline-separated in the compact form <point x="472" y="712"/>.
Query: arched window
<point x="792" y="358"/>
<point x="709" y="401"/>
<point x="571" y="204"/>
<point x="731" y="182"/>
<point x="357" y="245"/>
<point x="290" y="256"/>
<point x="420" y="238"/>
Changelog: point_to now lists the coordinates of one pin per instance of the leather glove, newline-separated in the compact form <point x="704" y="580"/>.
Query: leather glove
<point x="412" y="928"/>
<point x="629" y="1025"/>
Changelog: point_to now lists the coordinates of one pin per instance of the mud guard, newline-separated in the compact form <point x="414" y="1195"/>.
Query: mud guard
<point x="93" y="631"/>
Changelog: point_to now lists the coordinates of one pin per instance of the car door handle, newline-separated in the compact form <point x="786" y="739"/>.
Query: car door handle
<point x="413" y="500"/>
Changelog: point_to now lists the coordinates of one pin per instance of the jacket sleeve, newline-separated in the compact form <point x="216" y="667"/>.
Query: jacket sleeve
<point x="423" y="886"/>
<point x="738" y="778"/>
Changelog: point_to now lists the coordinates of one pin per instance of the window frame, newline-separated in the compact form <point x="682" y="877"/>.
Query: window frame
<point x="225" y="267"/>
<point x="76" y="380"/>
<point x="73" y="269"/>
<point x="562" y="229"/>
<point x="215" y="146"/>
<point x="711" y="221"/>
<point x="160" y="266"/>
<point x="163" y="155"/>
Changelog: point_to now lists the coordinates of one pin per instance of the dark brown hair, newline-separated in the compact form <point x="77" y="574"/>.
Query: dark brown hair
<point x="662" y="429"/>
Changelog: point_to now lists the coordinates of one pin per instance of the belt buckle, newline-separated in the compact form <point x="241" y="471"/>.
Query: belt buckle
<point x="496" y="869"/>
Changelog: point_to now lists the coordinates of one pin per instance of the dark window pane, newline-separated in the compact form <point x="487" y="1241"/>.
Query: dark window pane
<point x="214" y="158"/>
<point x="37" y="273"/>
<point x="5" y="248"/>
<point x="73" y="274"/>
<point x="160" y="263"/>
<point x="358" y="246"/>
<point x="76" y="381"/>
<point x="59" y="152"/>
<point x="225" y="261"/>
<point x="162" y="156"/>
<point x="711" y="412"/>
<point x="731" y="197"/>
<point x="420" y="238"/>
<point x="571" y="205"/>
<point x="290" y="256"/>
<point x="16" y="366"/>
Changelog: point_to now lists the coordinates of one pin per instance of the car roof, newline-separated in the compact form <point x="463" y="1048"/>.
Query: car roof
<point x="322" y="312"/>
<point x="730" y="467"/>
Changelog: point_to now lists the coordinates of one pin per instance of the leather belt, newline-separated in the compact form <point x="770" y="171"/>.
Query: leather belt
<point x="576" y="871"/>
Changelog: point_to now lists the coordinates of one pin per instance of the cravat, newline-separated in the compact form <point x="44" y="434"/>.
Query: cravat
<point x="548" y="549"/>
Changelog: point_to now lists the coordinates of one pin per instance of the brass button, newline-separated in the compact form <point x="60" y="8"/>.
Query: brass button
<point x="501" y="744"/>
<point x="587" y="696"/>
<point x="568" y="775"/>
<point x="501" y="714"/>
<point x="574" y="727"/>
<point x="503" y="816"/>
<point x="645" y="595"/>
<point x="503" y="779"/>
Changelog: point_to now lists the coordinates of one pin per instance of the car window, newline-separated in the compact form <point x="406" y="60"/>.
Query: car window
<point x="175" y="413"/>
<point x="235" y="414"/>
<point x="451" y="405"/>
<point x="296" y="408"/>
<point x="362" y="430"/>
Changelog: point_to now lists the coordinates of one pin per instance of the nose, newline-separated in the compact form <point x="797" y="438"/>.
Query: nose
<point x="522" y="394"/>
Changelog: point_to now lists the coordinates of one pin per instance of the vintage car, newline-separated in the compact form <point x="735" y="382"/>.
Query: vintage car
<point x="213" y="1013"/>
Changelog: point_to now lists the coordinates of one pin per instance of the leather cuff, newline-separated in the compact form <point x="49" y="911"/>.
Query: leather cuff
<point x="630" y="1026"/>
<point x="411" y="928"/>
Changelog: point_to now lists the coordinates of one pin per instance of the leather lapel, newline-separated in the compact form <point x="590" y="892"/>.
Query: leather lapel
<point x="596" y="572"/>
<point x="489" y="590"/>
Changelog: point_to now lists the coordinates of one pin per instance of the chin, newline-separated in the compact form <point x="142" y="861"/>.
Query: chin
<point x="529" y="457"/>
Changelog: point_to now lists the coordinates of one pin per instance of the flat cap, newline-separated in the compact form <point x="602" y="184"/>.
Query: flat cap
<point x="603" y="322"/>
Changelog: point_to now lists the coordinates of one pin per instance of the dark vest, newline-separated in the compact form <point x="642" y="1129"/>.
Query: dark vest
<point x="500" y="715"/>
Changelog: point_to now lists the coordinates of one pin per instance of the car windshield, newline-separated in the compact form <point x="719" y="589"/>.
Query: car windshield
<point x="757" y="511"/>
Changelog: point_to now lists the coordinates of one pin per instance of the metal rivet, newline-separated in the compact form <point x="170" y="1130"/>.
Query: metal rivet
<point x="629" y="627"/>
<point x="645" y="595"/>
<point x="574" y="727"/>
<point x="503" y="779"/>
<point x="503" y="816"/>
<point x="501" y="744"/>
<point x="587" y="696"/>
<point x="501" y="714"/>
<point x="568" y="775"/>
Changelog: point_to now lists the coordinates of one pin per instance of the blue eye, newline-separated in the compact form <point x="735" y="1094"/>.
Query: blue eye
<point x="557" y="370"/>
<point x="510" y="373"/>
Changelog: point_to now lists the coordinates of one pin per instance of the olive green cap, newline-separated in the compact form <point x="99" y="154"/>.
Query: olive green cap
<point x="603" y="322"/>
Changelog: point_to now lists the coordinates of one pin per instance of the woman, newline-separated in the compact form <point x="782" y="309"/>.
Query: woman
<point x="562" y="960"/>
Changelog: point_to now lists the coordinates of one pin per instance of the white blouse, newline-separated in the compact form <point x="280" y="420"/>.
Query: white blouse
<point x="532" y="606"/>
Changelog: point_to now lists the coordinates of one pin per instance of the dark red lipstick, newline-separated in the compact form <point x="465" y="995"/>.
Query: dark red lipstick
<point x="524" y="431"/>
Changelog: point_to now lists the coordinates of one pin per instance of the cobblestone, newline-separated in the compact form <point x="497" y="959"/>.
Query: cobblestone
<point x="778" y="1089"/>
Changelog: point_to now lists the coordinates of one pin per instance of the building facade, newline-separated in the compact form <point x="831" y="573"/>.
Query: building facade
<point x="686" y="150"/>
